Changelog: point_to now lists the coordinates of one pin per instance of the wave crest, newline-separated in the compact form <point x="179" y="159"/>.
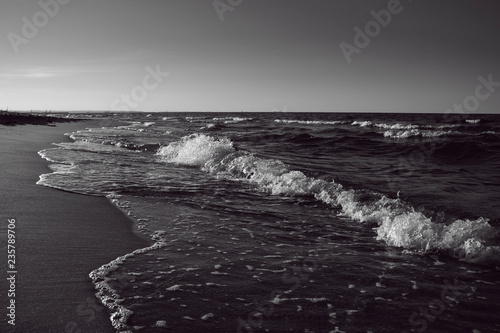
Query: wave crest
<point x="196" y="149"/>
<point x="398" y="134"/>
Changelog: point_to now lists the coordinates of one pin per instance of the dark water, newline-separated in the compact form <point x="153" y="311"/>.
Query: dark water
<point x="288" y="222"/>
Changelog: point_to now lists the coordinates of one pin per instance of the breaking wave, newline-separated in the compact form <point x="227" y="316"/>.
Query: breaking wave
<point x="196" y="149"/>
<point x="398" y="223"/>
<point x="414" y="132"/>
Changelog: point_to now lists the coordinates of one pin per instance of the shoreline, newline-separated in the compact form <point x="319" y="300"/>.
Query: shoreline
<point x="60" y="237"/>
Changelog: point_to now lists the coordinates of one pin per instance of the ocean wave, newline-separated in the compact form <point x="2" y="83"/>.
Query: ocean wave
<point x="231" y="120"/>
<point x="309" y="122"/>
<point x="196" y="118"/>
<point x="195" y="149"/>
<point x="396" y="134"/>
<point x="472" y="121"/>
<point x="213" y="126"/>
<point x="403" y="134"/>
<point x="399" y="224"/>
<point x="102" y="144"/>
<point x="396" y="126"/>
<point x="127" y="137"/>
<point x="362" y="123"/>
<point x="105" y="146"/>
<point x="400" y="126"/>
<point x="399" y="130"/>
<point x="404" y="131"/>
<point x="108" y="296"/>
<point x="442" y="126"/>
<point x="463" y="151"/>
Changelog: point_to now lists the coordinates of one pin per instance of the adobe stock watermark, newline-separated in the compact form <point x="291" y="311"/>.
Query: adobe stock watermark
<point x="30" y="28"/>
<point x="281" y="110"/>
<point x="372" y="29"/>
<point x="139" y="93"/>
<point x="454" y="115"/>
<point x="297" y="275"/>
<point x="293" y="274"/>
<point x="425" y="315"/>
<point x="223" y="6"/>
<point x="86" y="312"/>
<point x="483" y="91"/>
<point x="279" y="114"/>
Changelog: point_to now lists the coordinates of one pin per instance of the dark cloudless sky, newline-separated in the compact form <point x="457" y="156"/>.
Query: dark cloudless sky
<point x="264" y="55"/>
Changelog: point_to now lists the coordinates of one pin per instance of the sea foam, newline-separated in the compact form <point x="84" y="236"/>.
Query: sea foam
<point x="309" y="122"/>
<point x="195" y="149"/>
<point x="109" y="296"/>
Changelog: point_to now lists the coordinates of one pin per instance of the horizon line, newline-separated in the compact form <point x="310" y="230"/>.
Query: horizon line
<point x="241" y="111"/>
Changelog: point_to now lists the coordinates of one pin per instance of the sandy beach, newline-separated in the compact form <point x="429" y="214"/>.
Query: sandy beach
<point x="60" y="238"/>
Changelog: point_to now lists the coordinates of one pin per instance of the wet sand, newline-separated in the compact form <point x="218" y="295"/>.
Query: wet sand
<point x="60" y="238"/>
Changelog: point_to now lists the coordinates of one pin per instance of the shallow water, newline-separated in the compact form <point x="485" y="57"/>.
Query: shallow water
<point x="297" y="222"/>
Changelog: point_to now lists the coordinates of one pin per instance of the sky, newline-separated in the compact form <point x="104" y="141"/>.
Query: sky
<point x="250" y="55"/>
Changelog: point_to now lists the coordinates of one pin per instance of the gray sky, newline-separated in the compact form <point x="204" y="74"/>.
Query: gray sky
<point x="251" y="55"/>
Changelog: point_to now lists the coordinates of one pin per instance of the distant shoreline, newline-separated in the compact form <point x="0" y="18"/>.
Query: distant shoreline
<point x="16" y="118"/>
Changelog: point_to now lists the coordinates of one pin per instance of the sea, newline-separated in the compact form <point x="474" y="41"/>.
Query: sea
<point x="296" y="222"/>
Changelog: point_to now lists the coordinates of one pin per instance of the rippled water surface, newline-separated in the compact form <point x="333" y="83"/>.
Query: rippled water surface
<point x="297" y="222"/>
